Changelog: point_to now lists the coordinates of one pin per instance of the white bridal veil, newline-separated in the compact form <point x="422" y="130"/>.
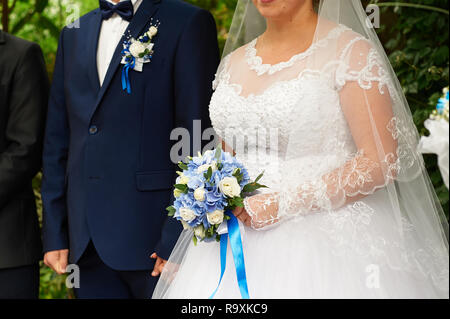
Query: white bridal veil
<point x="384" y="174"/>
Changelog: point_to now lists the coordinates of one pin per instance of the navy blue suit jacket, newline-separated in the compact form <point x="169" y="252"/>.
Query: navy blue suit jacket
<point x="107" y="168"/>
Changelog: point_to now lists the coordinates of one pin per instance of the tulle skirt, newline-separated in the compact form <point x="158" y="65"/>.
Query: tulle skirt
<point x="349" y="253"/>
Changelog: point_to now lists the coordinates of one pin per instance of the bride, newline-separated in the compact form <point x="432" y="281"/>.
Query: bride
<point x="307" y="94"/>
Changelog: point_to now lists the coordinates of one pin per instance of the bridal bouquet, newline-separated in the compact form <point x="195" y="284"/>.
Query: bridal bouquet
<point x="209" y="186"/>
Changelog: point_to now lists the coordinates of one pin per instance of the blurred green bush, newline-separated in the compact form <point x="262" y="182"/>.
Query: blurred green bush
<point x="416" y="41"/>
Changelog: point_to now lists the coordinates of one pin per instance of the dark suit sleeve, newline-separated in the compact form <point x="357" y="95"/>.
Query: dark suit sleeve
<point x="25" y="126"/>
<point x="196" y="62"/>
<point x="56" y="144"/>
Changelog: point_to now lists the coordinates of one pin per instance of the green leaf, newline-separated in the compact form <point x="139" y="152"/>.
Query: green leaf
<point x="218" y="153"/>
<point x="208" y="174"/>
<point x="251" y="187"/>
<point x="182" y="187"/>
<point x="235" y="202"/>
<point x="238" y="202"/>
<point x="195" y="240"/>
<point x="171" y="211"/>
<point x="259" y="177"/>
<point x="210" y="232"/>
<point x="183" y="166"/>
<point x="238" y="175"/>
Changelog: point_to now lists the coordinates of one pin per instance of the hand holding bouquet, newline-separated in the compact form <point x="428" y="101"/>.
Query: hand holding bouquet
<point x="207" y="187"/>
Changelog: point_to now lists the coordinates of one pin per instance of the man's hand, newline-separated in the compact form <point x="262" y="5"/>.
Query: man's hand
<point x="57" y="260"/>
<point x="243" y="216"/>
<point x="159" y="265"/>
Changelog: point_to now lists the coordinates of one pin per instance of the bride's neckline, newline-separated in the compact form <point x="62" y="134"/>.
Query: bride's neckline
<point x="255" y="62"/>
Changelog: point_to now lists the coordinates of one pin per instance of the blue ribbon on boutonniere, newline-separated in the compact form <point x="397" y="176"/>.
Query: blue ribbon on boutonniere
<point x="131" y="62"/>
<point x="238" y="255"/>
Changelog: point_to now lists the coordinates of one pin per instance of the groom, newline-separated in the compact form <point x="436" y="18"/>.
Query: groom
<point x="107" y="168"/>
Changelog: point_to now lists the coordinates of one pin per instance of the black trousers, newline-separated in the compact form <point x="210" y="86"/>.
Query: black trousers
<point x="20" y="282"/>
<point x="99" y="281"/>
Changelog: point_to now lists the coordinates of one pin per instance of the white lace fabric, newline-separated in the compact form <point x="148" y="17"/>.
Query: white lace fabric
<point x="326" y="128"/>
<point x="347" y="190"/>
<point x="319" y="113"/>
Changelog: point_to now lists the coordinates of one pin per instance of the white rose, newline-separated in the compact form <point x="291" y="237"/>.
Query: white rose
<point x="200" y="232"/>
<point x="182" y="179"/>
<point x="229" y="186"/>
<point x="205" y="167"/>
<point x="152" y="31"/>
<point x="199" y="194"/>
<point x="216" y="217"/>
<point x="136" y="48"/>
<point x="187" y="214"/>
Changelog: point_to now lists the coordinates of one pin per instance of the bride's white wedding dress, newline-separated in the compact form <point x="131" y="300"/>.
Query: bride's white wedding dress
<point x="349" y="251"/>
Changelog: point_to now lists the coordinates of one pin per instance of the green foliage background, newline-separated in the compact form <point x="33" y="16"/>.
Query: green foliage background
<point x="416" y="40"/>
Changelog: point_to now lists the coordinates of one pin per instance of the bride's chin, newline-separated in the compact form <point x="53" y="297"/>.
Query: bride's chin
<point x="274" y="9"/>
<point x="267" y="5"/>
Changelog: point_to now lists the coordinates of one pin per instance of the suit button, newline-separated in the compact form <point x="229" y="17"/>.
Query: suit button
<point x="93" y="130"/>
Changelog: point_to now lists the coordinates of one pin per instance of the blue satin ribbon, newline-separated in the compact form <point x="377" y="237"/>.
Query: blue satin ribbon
<point x="126" y="85"/>
<point x="238" y="256"/>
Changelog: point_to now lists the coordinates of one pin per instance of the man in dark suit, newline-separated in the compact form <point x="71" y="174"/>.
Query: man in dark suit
<point x="108" y="174"/>
<point x="23" y="102"/>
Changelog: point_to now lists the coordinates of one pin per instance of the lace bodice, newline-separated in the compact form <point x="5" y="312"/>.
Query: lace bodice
<point x="321" y="125"/>
<point x="234" y="116"/>
<point x="319" y="118"/>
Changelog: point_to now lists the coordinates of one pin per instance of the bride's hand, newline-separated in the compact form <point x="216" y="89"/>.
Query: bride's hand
<point x="261" y="210"/>
<point x="243" y="216"/>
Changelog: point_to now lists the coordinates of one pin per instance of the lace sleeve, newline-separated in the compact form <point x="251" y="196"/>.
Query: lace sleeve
<point x="362" y="85"/>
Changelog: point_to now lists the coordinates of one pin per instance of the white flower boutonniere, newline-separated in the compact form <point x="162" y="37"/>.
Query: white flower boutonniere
<point x="137" y="52"/>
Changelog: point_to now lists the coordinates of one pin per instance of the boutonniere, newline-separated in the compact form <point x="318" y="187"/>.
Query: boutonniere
<point x="137" y="52"/>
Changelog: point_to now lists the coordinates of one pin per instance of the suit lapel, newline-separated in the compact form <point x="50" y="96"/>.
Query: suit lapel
<point x="92" y="42"/>
<point x="142" y="17"/>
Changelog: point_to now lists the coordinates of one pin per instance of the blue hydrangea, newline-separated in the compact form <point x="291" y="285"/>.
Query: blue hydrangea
<point x="225" y="165"/>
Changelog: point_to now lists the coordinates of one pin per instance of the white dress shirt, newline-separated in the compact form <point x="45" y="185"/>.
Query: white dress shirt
<point x="110" y="34"/>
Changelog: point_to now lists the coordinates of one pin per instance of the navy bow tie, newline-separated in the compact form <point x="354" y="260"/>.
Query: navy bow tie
<point x="123" y="8"/>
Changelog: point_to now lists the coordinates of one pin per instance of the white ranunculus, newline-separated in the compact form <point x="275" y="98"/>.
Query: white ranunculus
<point x="229" y="186"/>
<point x="200" y="232"/>
<point x="199" y="194"/>
<point x="136" y="48"/>
<point x="152" y="31"/>
<point x="187" y="214"/>
<point x="216" y="217"/>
